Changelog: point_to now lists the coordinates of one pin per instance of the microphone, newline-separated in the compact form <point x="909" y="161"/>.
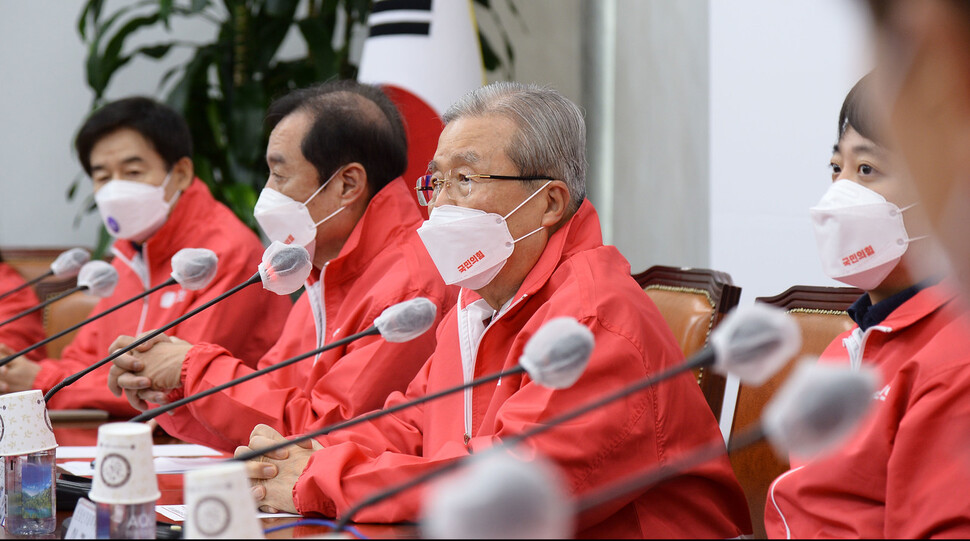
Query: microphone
<point x="554" y="357"/>
<point x="66" y="265"/>
<point x="284" y="268"/>
<point x="192" y="268"/>
<point x="815" y="410"/>
<point x="510" y="499"/>
<point x="98" y="277"/>
<point x="401" y="322"/>
<point x="278" y="260"/>
<point x="744" y="349"/>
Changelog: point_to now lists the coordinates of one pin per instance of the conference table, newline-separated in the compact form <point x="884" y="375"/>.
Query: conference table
<point x="85" y="433"/>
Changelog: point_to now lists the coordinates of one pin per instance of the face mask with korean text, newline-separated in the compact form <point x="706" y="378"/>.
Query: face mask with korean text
<point x="860" y="235"/>
<point x="469" y="246"/>
<point x="133" y="210"/>
<point x="286" y="220"/>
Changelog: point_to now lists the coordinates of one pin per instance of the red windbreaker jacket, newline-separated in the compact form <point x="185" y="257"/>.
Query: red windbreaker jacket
<point x="382" y="263"/>
<point x="575" y="276"/>
<point x="27" y="330"/>
<point x="905" y="473"/>
<point x="250" y="320"/>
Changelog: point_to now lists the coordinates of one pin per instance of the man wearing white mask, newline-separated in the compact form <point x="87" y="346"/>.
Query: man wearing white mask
<point x="335" y="156"/>
<point x="138" y="155"/>
<point x="510" y="224"/>
<point x="897" y="476"/>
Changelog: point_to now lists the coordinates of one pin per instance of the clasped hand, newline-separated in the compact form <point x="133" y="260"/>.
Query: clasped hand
<point x="275" y="474"/>
<point x="150" y="371"/>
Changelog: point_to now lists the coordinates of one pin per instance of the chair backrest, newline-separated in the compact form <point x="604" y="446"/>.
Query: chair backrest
<point x="693" y="301"/>
<point x="820" y="314"/>
<point x="31" y="263"/>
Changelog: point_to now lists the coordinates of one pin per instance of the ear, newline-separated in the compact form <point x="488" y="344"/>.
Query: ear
<point x="352" y="184"/>
<point x="557" y="204"/>
<point x="182" y="173"/>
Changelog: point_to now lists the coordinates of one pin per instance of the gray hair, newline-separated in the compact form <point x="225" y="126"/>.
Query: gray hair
<point x="550" y="138"/>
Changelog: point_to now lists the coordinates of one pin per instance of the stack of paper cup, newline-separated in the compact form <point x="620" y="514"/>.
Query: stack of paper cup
<point x="124" y="473"/>
<point x="219" y="504"/>
<point x="25" y="426"/>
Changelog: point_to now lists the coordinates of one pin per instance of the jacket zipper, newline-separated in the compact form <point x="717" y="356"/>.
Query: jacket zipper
<point x="317" y="297"/>
<point x="856" y="347"/>
<point x="469" y="369"/>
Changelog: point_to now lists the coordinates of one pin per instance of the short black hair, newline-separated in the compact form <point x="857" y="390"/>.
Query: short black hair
<point x="163" y="127"/>
<point x="345" y="129"/>
<point x="860" y="112"/>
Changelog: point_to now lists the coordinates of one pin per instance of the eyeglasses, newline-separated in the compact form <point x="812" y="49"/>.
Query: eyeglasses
<point x="429" y="187"/>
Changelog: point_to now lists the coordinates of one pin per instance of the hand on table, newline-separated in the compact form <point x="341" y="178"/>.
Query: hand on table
<point x="17" y="375"/>
<point x="150" y="371"/>
<point x="275" y="474"/>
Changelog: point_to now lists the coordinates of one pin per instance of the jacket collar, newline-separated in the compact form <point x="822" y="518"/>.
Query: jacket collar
<point x="390" y="215"/>
<point x="580" y="233"/>
<point x="922" y="304"/>
<point x="192" y="206"/>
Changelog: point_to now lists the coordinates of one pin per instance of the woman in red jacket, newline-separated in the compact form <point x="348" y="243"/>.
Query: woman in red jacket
<point x="897" y="476"/>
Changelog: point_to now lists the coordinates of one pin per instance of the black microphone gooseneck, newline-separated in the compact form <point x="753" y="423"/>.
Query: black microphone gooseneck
<point x="53" y="299"/>
<point x="28" y="283"/>
<point x="155" y="412"/>
<point x="379" y="413"/>
<point x="255" y="279"/>
<point x="9" y="358"/>
<point x="705" y="358"/>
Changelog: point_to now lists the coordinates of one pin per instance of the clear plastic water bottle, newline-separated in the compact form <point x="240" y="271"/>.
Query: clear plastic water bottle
<point x="126" y="521"/>
<point x="31" y="498"/>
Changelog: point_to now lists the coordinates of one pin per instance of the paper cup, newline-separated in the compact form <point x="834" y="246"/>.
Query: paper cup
<point x="124" y="471"/>
<point x="25" y="426"/>
<point x="219" y="504"/>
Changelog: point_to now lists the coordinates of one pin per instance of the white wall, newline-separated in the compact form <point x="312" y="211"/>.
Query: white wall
<point x="43" y="99"/>
<point x="779" y="73"/>
<point x="660" y="200"/>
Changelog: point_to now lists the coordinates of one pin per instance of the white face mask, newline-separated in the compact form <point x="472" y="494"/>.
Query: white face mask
<point x="469" y="246"/>
<point x="285" y="220"/>
<point x="133" y="210"/>
<point x="861" y="236"/>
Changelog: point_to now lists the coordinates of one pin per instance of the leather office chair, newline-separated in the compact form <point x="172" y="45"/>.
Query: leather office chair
<point x="820" y="314"/>
<point x="693" y="301"/>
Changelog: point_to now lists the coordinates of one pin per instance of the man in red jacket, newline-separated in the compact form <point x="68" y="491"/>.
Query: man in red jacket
<point x="27" y="330"/>
<point x="510" y="224"/>
<point x="898" y="476"/>
<point x="138" y="155"/>
<point x="335" y="155"/>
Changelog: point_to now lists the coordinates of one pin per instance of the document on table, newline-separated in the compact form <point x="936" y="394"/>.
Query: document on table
<point x="179" y="449"/>
<point x="177" y="513"/>
<point x="163" y="464"/>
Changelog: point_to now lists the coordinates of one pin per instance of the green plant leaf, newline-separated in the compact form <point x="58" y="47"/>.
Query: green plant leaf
<point x="164" y="12"/>
<point x="113" y="50"/>
<point x="281" y="8"/>
<point x="215" y="123"/>
<point x="91" y="10"/>
<point x="266" y="34"/>
<point x="318" y="35"/>
<point x="153" y="51"/>
<point x="245" y="131"/>
<point x="179" y="96"/>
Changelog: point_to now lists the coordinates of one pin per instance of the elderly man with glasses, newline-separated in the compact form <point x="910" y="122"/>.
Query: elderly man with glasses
<point x="510" y="224"/>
